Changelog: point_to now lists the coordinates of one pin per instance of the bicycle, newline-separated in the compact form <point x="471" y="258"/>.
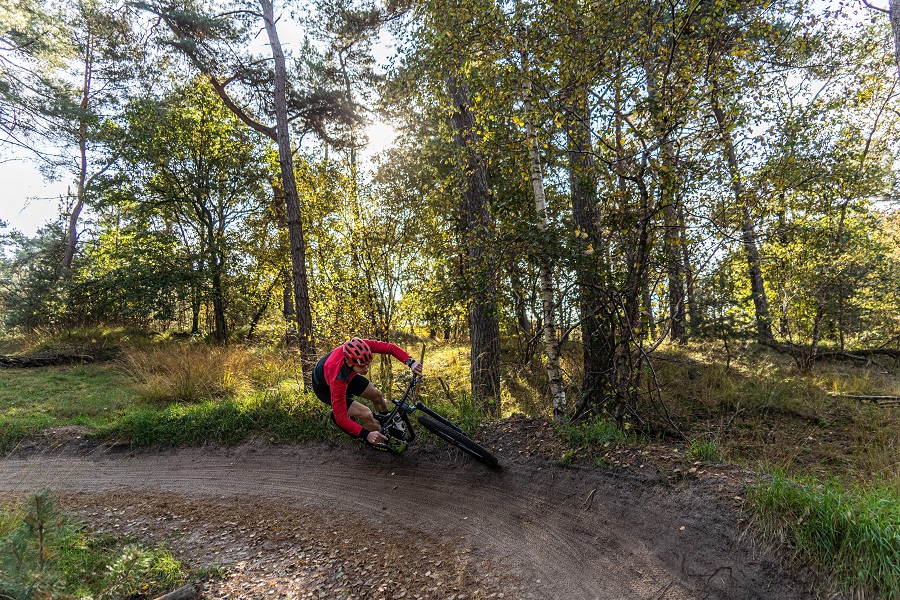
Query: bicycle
<point x="399" y="430"/>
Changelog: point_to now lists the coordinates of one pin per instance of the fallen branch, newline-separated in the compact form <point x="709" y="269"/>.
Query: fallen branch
<point x="879" y="400"/>
<point x="864" y="354"/>
<point x="43" y="360"/>
<point x="186" y="592"/>
<point x="731" y="420"/>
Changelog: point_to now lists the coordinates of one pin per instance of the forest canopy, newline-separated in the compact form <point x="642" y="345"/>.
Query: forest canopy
<point x="572" y="183"/>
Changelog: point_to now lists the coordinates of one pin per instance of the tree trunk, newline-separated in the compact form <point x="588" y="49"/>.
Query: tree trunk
<point x="289" y="187"/>
<point x="693" y="311"/>
<point x="195" y="310"/>
<point x="221" y="333"/>
<point x="894" y="11"/>
<point x="287" y="293"/>
<point x="551" y="339"/>
<point x="260" y="311"/>
<point x="748" y="231"/>
<point x="596" y="330"/>
<point x="65" y="271"/>
<point x="669" y="199"/>
<point x="672" y="242"/>
<point x="648" y="326"/>
<point x="523" y="322"/>
<point x="477" y="225"/>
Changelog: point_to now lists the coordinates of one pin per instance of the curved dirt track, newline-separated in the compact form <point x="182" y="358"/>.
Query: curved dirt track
<point x="539" y="530"/>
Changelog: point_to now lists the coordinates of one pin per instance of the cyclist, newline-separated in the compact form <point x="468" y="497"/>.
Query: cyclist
<point x="340" y="375"/>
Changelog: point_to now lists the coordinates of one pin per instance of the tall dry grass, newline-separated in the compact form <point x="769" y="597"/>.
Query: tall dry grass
<point x="189" y="373"/>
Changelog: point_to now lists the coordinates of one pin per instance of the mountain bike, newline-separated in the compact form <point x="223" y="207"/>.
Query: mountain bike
<point x="399" y="430"/>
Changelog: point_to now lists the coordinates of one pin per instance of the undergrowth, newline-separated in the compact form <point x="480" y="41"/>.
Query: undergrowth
<point x="189" y="372"/>
<point x="282" y="416"/>
<point x="851" y="534"/>
<point x="47" y="554"/>
<point x="752" y="409"/>
<point x="596" y="432"/>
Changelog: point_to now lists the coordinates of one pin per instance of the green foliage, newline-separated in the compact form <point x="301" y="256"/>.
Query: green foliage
<point x="28" y="552"/>
<point x="130" y="275"/>
<point x="33" y="39"/>
<point x="853" y="535"/>
<point x="44" y="553"/>
<point x="31" y="294"/>
<point x="817" y="279"/>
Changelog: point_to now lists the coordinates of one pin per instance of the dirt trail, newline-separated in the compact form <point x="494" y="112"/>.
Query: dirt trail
<point x="531" y="530"/>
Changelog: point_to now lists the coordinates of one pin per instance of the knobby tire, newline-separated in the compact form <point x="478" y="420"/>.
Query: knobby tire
<point x="451" y="436"/>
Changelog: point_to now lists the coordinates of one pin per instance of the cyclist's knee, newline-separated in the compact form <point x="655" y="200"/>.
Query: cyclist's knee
<point x="360" y="411"/>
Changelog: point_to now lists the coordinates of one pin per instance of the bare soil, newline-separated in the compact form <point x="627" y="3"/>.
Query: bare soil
<point x="266" y="520"/>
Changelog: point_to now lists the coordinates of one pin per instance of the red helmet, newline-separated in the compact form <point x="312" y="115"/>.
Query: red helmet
<point x="357" y="352"/>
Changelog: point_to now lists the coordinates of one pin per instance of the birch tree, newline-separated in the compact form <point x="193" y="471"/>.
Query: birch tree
<point x="548" y="301"/>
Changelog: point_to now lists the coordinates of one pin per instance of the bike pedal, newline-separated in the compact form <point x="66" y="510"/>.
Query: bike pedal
<point x="396" y="445"/>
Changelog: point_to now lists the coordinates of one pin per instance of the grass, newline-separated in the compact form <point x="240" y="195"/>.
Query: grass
<point x="189" y="372"/>
<point x="47" y="554"/>
<point x="707" y="450"/>
<point x="276" y="415"/>
<point x="853" y="534"/>
<point x="829" y="466"/>
<point x="34" y="399"/>
<point x="598" y="432"/>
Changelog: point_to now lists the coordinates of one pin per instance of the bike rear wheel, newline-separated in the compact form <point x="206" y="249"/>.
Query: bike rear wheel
<point x="458" y="439"/>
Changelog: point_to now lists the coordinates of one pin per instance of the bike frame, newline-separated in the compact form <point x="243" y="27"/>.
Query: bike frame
<point x="407" y="405"/>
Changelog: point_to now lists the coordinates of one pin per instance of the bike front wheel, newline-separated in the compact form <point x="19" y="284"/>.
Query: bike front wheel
<point x="458" y="439"/>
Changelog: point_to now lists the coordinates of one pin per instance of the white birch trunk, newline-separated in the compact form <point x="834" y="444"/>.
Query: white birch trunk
<point x="551" y="341"/>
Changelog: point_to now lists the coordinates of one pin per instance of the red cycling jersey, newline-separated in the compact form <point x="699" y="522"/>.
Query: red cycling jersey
<point x="338" y="375"/>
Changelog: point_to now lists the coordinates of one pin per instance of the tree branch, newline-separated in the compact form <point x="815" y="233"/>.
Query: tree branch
<point x="878" y="8"/>
<point x="238" y="111"/>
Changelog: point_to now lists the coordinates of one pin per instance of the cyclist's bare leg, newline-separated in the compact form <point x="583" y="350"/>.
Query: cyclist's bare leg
<point x="373" y="395"/>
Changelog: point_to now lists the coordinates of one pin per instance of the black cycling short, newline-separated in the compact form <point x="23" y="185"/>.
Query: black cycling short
<point x="322" y="391"/>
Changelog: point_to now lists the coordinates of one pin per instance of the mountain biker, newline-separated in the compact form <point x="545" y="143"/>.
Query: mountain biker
<point x="339" y="376"/>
